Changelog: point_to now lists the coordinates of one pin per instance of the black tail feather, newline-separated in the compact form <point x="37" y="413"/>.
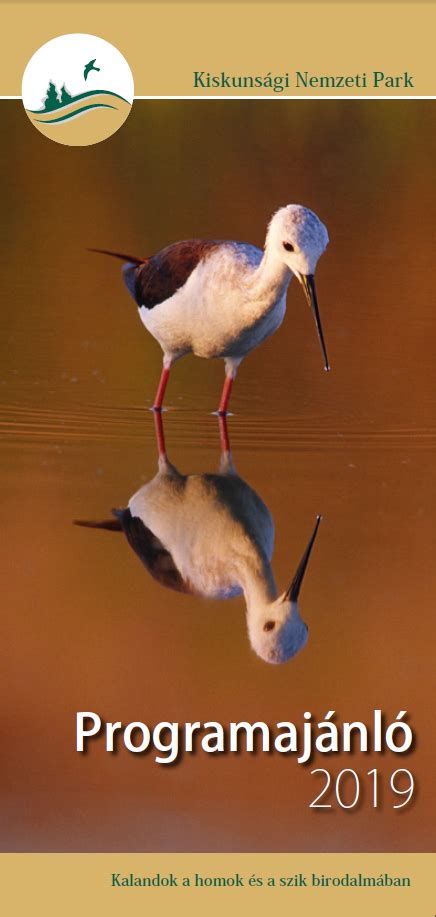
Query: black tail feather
<point x="111" y="525"/>
<point x="131" y="259"/>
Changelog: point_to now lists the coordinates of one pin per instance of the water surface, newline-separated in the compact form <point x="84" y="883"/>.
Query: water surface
<point x="84" y="625"/>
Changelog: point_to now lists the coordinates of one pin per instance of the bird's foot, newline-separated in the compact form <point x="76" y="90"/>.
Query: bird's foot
<point x="159" y="409"/>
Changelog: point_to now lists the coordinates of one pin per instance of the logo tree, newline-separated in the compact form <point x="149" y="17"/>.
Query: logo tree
<point x="65" y="95"/>
<point x="51" y="100"/>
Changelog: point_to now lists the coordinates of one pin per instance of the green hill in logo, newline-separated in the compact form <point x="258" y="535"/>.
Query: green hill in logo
<point x="61" y="105"/>
<point x="71" y="109"/>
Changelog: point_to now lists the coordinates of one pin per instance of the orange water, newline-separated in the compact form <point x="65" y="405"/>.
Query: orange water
<point x="84" y="626"/>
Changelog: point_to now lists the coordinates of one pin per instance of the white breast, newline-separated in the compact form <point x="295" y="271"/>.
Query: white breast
<point x="214" y="314"/>
<point x="210" y="524"/>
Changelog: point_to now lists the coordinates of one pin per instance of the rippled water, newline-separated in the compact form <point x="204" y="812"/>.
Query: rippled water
<point x="85" y="626"/>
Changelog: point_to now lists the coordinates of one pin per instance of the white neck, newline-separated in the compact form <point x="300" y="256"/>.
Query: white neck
<point x="257" y="581"/>
<point x="268" y="283"/>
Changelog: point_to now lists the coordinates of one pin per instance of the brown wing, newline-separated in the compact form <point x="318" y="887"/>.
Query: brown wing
<point x="150" y="550"/>
<point x="158" y="278"/>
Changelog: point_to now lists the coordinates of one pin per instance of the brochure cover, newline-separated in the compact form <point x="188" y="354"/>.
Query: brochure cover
<point x="218" y="416"/>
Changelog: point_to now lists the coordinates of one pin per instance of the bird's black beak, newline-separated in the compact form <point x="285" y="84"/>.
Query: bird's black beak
<point x="308" y="283"/>
<point x="294" y="589"/>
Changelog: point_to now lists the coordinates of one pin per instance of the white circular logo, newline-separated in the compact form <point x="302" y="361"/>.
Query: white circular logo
<point x="77" y="89"/>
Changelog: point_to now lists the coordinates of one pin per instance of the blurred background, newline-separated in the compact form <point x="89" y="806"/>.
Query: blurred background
<point x="84" y="627"/>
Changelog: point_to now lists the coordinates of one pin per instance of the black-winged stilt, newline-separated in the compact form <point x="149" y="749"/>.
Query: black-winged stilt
<point x="222" y="299"/>
<point x="212" y="535"/>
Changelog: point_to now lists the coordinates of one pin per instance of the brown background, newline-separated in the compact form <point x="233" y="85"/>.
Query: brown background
<point x="84" y="627"/>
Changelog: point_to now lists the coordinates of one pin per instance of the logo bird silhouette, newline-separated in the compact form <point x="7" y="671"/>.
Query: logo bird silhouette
<point x="90" y="66"/>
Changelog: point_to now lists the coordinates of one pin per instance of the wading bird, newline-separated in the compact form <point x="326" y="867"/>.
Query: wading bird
<point x="211" y="535"/>
<point x="222" y="299"/>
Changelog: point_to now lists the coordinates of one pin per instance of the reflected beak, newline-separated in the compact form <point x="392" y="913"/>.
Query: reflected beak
<point x="294" y="589"/>
<point x="308" y="283"/>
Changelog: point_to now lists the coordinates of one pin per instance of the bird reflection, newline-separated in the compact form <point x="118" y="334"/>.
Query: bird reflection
<point x="211" y="535"/>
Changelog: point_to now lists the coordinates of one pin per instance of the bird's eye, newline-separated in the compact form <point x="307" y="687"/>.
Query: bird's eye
<point x="288" y="246"/>
<point x="269" y="625"/>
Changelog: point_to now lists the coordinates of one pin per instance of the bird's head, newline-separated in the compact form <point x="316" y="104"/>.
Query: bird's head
<point x="298" y="238"/>
<point x="297" y="234"/>
<point x="277" y="631"/>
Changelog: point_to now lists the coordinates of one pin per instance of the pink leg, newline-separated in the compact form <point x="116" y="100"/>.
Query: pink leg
<point x="160" y="436"/>
<point x="159" y="397"/>
<point x="225" y="395"/>
<point x="224" y="435"/>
